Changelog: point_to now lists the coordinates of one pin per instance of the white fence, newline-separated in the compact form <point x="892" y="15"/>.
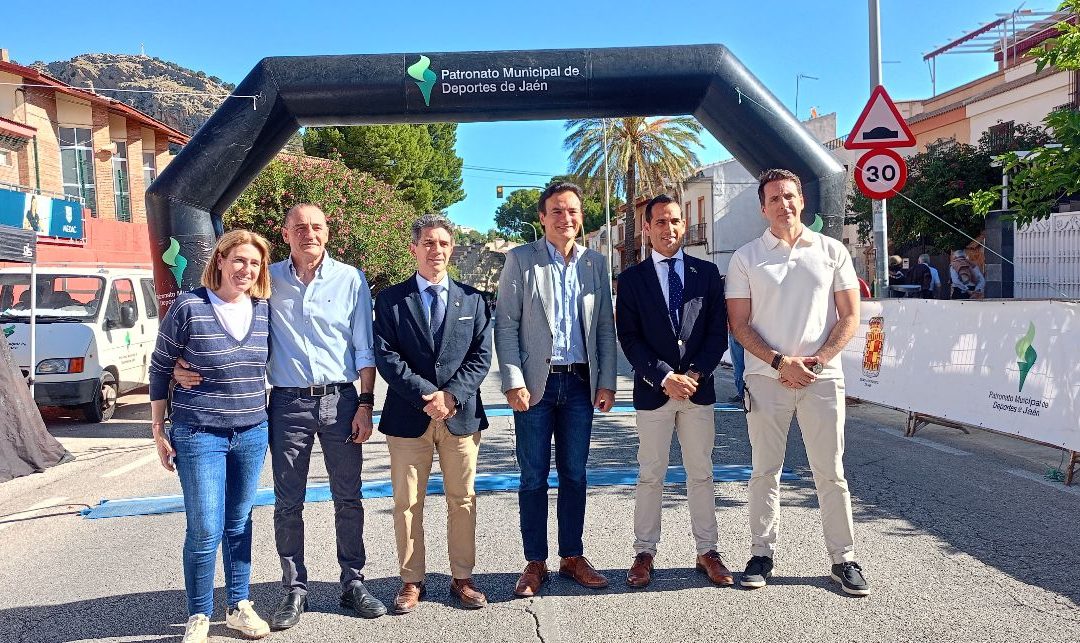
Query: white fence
<point x="1047" y="257"/>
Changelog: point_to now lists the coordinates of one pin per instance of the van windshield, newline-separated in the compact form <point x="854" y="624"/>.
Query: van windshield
<point x="59" y="297"/>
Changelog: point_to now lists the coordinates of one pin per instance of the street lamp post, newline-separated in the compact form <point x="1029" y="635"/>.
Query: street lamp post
<point x="799" y="77"/>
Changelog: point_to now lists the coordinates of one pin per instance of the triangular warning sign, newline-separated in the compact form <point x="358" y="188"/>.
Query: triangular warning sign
<point x="880" y="125"/>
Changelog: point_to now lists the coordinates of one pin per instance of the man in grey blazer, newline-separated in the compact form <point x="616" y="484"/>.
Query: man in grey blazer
<point x="555" y="339"/>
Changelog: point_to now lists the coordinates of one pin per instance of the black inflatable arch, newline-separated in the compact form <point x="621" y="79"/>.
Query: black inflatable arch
<point x="185" y="204"/>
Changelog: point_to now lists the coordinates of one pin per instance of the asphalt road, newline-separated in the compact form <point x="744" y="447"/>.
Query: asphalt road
<point x="962" y="537"/>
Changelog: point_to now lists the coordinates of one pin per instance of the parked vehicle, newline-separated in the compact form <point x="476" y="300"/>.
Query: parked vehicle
<point x="95" y="328"/>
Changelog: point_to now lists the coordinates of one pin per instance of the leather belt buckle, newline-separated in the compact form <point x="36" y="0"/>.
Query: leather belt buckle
<point x="319" y="391"/>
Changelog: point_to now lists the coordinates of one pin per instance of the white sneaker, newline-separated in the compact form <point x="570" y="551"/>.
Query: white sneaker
<point x="198" y="627"/>
<point x="245" y="620"/>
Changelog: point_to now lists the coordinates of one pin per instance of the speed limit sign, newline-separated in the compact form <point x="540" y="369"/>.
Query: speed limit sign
<point x="880" y="173"/>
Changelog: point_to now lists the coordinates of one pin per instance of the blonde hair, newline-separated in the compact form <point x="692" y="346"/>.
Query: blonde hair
<point x="211" y="276"/>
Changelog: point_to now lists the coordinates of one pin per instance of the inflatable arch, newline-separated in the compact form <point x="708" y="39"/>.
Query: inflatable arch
<point x="185" y="204"/>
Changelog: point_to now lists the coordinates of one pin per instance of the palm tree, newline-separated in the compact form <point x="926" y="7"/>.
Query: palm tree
<point x="645" y="154"/>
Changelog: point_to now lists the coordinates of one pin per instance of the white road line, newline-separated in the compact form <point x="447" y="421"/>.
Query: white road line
<point x="131" y="466"/>
<point x="1034" y="477"/>
<point x="48" y="502"/>
<point x="923" y="441"/>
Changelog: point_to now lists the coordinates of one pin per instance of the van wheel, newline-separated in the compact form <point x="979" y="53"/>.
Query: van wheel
<point x="103" y="405"/>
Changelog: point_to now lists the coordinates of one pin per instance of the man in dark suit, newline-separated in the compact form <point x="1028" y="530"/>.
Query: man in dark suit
<point x="673" y="330"/>
<point x="433" y="348"/>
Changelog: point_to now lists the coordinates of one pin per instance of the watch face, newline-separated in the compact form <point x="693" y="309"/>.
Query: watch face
<point x="817" y="368"/>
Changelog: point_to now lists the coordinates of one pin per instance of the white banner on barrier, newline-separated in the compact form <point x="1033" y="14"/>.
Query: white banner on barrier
<point x="1011" y="366"/>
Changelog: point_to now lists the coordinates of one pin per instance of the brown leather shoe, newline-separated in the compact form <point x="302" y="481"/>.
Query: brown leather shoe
<point x="408" y="597"/>
<point x="640" y="573"/>
<point x="712" y="566"/>
<point x="535" y="575"/>
<point x="581" y="571"/>
<point x="466" y="592"/>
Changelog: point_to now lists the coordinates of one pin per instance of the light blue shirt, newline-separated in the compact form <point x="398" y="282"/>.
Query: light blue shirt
<point x="425" y="296"/>
<point x="662" y="270"/>
<point x="319" y="333"/>
<point x="568" y="343"/>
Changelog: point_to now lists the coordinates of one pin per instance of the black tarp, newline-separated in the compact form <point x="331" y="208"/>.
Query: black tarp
<point x="25" y="444"/>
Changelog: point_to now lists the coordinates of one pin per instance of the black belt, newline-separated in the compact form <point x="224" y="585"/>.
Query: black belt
<point x="313" y="391"/>
<point x="569" y="368"/>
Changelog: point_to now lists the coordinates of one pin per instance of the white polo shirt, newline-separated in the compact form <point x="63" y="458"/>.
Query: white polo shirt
<point x="791" y="291"/>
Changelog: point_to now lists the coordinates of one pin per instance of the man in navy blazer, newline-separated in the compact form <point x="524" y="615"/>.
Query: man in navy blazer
<point x="672" y="324"/>
<point x="433" y="348"/>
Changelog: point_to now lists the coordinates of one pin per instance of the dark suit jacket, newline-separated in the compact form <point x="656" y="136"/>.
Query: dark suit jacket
<point x="649" y="341"/>
<point x="406" y="359"/>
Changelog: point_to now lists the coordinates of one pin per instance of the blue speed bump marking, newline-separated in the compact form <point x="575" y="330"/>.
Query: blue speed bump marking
<point x="508" y="481"/>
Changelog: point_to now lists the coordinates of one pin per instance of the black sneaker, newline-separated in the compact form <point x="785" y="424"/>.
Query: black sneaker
<point x="757" y="570"/>
<point x="850" y="576"/>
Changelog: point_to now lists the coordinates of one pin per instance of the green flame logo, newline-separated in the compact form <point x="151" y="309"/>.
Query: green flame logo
<point x="424" y="77"/>
<point x="818" y="223"/>
<point x="176" y="261"/>
<point x="9" y="330"/>
<point x="1025" y="353"/>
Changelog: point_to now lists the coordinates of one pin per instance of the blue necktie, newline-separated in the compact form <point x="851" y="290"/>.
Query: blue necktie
<point x="674" y="287"/>
<point x="437" y="313"/>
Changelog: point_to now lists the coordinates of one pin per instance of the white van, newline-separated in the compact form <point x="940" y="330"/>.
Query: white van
<point x="96" y="329"/>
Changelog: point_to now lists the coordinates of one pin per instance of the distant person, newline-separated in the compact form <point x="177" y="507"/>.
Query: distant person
<point x="218" y="438"/>
<point x="794" y="330"/>
<point x="935" y="283"/>
<point x="555" y="338"/>
<point x="673" y="350"/>
<point x="433" y="348"/>
<point x="967" y="280"/>
<point x="922" y="275"/>
<point x="898" y="276"/>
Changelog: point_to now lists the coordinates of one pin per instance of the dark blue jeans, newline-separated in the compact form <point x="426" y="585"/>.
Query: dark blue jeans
<point x="565" y="412"/>
<point x="219" y="473"/>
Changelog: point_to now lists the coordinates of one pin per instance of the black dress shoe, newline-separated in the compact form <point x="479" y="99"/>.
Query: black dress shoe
<point x="288" y="612"/>
<point x="362" y="601"/>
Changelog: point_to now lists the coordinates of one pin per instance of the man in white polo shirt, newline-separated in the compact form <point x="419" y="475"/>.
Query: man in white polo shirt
<point x="793" y="302"/>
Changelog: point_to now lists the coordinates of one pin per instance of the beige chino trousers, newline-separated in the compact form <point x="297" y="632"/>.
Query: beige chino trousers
<point x="819" y="408"/>
<point x="695" y="426"/>
<point x="410" y="466"/>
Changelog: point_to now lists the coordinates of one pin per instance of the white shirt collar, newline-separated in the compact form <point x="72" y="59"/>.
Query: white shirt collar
<point x="658" y="258"/>
<point x="808" y="237"/>
<point x="423" y="284"/>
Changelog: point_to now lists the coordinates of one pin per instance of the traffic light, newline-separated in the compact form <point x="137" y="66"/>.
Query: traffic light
<point x="498" y="191"/>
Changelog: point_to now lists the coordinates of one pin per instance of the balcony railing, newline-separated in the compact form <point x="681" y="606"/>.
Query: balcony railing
<point x="695" y="234"/>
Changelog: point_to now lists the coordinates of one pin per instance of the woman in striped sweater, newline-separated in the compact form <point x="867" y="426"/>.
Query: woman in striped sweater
<point x="218" y="436"/>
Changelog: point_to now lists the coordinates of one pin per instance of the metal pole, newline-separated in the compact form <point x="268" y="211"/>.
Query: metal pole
<point x="607" y="211"/>
<point x="33" y="323"/>
<point x="880" y="211"/>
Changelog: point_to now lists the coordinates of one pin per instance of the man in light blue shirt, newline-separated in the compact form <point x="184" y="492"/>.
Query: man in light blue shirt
<point x="568" y="346"/>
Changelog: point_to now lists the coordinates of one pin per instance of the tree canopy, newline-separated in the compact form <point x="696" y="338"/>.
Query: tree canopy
<point x="418" y="161"/>
<point x="521" y="207"/>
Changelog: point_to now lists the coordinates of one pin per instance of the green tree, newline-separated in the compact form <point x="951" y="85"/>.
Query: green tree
<point x="945" y="171"/>
<point x="645" y="156"/>
<point x="419" y="161"/>
<point x="368" y="221"/>
<point x="517" y="212"/>
<point x="1044" y="176"/>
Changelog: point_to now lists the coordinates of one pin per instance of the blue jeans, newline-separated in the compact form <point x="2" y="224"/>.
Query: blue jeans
<point x="219" y="473"/>
<point x="738" y="363"/>
<point x="565" y="412"/>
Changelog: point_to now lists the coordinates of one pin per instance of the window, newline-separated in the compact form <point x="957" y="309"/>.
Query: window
<point x="149" y="298"/>
<point x="1000" y="137"/>
<point x="123" y="296"/>
<point x="700" y="210"/>
<point x="77" y="165"/>
<point x="149" y="168"/>
<point x="121" y="187"/>
<point x="5" y="158"/>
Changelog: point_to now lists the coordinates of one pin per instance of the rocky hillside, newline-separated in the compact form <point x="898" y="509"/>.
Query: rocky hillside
<point x="118" y="71"/>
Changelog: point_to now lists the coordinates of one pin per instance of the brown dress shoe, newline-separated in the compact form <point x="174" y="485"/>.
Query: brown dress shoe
<point x="535" y="575"/>
<point x="408" y="597"/>
<point x="640" y="573"/>
<point x="712" y="566"/>
<point x="466" y="592"/>
<point x="581" y="571"/>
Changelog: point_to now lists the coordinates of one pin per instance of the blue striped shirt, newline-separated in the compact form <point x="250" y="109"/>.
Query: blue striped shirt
<point x="233" y="389"/>
<point x="568" y="342"/>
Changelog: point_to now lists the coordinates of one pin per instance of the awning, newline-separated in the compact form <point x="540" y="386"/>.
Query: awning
<point x="14" y="136"/>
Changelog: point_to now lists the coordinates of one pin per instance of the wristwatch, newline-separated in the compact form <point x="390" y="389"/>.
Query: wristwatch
<point x="777" y="361"/>
<point x="817" y="368"/>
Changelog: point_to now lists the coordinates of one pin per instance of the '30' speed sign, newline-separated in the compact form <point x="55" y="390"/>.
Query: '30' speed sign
<point x="881" y="173"/>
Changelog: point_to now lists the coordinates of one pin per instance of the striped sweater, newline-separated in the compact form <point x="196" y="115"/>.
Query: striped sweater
<point x="233" y="389"/>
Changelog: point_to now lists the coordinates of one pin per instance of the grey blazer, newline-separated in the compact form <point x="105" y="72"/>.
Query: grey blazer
<point x="525" y="319"/>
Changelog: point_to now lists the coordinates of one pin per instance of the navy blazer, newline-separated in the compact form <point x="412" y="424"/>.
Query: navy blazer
<point x="649" y="341"/>
<point x="405" y="357"/>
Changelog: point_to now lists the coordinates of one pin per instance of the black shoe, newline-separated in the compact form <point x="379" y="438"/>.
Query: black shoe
<point x="288" y="612"/>
<point x="362" y="601"/>
<point x="850" y="577"/>
<point x="757" y="570"/>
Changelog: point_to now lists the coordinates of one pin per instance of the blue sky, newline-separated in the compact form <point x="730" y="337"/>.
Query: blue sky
<point x="775" y="40"/>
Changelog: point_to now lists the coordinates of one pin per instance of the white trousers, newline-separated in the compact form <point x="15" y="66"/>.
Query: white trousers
<point x="819" y="408"/>
<point x="695" y="426"/>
